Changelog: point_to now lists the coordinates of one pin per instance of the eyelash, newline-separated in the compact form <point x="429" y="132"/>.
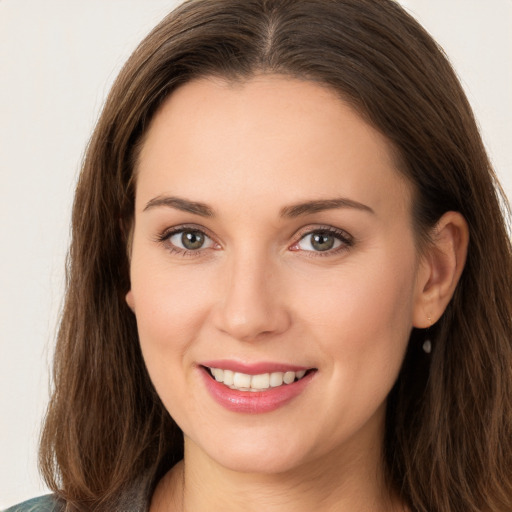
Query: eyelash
<point x="347" y="241"/>
<point x="165" y="236"/>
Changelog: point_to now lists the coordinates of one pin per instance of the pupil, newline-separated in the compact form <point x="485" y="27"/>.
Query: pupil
<point x="322" y="242"/>
<point x="192" y="239"/>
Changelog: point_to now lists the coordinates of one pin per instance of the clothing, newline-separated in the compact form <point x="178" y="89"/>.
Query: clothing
<point x="42" y="504"/>
<point x="135" y="499"/>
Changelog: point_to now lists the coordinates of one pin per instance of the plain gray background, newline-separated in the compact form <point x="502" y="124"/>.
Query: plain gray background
<point x="57" y="62"/>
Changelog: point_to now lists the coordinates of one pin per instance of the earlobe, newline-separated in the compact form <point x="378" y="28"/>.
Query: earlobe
<point x="130" y="301"/>
<point x="440" y="269"/>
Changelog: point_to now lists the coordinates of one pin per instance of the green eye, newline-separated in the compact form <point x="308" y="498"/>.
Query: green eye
<point x="190" y="240"/>
<point x="324" y="241"/>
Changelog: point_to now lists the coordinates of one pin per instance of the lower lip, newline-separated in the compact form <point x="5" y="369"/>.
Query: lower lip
<point x="254" y="402"/>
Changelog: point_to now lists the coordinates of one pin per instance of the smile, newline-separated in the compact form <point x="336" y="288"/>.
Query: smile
<point x="257" y="388"/>
<point x="245" y="382"/>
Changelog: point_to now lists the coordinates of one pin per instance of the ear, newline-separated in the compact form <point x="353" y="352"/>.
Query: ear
<point x="440" y="269"/>
<point x="130" y="301"/>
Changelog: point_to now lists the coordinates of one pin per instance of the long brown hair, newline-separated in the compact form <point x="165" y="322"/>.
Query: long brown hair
<point x="448" y="444"/>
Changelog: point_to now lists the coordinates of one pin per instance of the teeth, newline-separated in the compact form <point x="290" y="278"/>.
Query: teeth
<point x="260" y="381"/>
<point x="245" y="382"/>
<point x="218" y="374"/>
<point x="241" y="380"/>
<point x="228" y="377"/>
<point x="289" y="377"/>
<point x="276" y="379"/>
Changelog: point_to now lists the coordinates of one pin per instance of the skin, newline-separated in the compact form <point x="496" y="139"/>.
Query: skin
<point x="259" y="291"/>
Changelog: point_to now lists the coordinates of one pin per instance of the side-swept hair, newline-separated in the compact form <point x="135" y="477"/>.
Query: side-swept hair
<point x="448" y="439"/>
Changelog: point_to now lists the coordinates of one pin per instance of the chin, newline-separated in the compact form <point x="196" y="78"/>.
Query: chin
<point x="263" y="455"/>
<point x="262" y="463"/>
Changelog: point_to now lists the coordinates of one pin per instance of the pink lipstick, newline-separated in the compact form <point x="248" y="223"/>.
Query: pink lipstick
<point x="254" y="388"/>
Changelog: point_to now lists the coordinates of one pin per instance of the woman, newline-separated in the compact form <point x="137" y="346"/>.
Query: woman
<point x="290" y="276"/>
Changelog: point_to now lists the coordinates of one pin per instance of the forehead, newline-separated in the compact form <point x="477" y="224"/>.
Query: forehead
<point x="222" y="140"/>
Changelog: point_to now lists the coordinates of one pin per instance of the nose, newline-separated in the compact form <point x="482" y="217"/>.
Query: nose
<point x="252" y="302"/>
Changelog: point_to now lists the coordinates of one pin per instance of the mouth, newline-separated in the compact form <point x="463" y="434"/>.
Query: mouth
<point x="253" y="383"/>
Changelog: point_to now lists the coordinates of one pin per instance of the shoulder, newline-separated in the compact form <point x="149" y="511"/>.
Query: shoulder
<point x="46" y="503"/>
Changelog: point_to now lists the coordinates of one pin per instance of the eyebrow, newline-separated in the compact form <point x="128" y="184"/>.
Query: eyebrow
<point x="181" y="204"/>
<point x="292" y="211"/>
<point x="320" y="205"/>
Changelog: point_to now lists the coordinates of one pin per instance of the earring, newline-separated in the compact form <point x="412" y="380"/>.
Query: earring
<point x="427" y="344"/>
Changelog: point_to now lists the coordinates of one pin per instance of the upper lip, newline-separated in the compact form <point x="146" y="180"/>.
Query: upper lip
<point x="254" y="368"/>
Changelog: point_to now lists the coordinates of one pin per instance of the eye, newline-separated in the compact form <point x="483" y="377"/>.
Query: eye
<point x="323" y="240"/>
<point x="187" y="239"/>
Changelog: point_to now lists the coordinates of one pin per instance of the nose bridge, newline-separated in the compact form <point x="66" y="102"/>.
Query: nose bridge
<point x="251" y="304"/>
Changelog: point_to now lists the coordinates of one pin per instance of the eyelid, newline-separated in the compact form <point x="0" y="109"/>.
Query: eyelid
<point x="347" y="240"/>
<point x="164" y="238"/>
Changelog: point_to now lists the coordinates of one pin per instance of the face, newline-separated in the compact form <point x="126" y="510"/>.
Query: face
<point x="273" y="251"/>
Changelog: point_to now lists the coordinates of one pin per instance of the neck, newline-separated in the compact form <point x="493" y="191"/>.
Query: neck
<point x="354" y="482"/>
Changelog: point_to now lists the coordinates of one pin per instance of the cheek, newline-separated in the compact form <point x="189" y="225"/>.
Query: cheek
<point x="362" y="312"/>
<point x="170" y="309"/>
<point x="360" y="320"/>
<point x="171" y="304"/>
